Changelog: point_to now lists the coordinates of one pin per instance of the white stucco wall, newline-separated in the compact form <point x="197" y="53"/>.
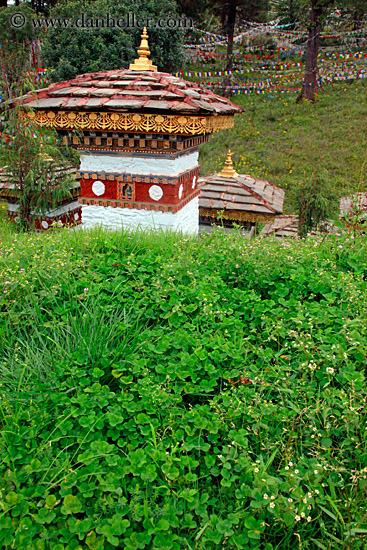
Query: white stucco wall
<point x="144" y="166"/>
<point x="185" y="220"/>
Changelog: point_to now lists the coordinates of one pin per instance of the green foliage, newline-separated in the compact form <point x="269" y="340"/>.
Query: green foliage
<point x="315" y="202"/>
<point x="73" y="51"/>
<point x="32" y="161"/>
<point x="11" y="34"/>
<point x="160" y="392"/>
<point x="290" y="12"/>
<point x="14" y="51"/>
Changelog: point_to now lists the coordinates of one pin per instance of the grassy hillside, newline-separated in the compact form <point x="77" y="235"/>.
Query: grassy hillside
<point x="159" y="392"/>
<point x="278" y="140"/>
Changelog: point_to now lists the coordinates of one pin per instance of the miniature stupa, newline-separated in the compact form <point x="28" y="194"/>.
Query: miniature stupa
<point x="138" y="137"/>
<point x="67" y="211"/>
<point x="229" y="198"/>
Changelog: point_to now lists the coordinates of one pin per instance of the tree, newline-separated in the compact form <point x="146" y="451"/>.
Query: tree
<point x="317" y="15"/>
<point x="199" y="11"/>
<point x="71" y="51"/>
<point x="15" y="53"/>
<point x="315" y="202"/>
<point x="289" y="12"/>
<point x="232" y="10"/>
<point x="318" y="10"/>
<point x="32" y="161"/>
<point x="358" y="10"/>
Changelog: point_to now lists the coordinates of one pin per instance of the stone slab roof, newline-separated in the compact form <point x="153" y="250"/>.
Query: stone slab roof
<point x="347" y="203"/>
<point x="287" y="226"/>
<point x="283" y="226"/>
<point x="127" y="90"/>
<point x="240" y="193"/>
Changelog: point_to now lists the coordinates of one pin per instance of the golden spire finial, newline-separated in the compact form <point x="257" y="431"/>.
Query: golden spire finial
<point x="143" y="63"/>
<point x="43" y="155"/>
<point x="228" y="171"/>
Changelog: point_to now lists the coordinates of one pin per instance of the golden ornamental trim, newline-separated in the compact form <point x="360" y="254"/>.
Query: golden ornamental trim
<point x="129" y="122"/>
<point x="235" y="215"/>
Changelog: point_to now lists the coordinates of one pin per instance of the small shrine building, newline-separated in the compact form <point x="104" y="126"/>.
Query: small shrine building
<point x="229" y="198"/>
<point x="138" y="132"/>
<point x="67" y="211"/>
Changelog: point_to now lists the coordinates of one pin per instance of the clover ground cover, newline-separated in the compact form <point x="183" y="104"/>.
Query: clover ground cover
<point x="163" y="392"/>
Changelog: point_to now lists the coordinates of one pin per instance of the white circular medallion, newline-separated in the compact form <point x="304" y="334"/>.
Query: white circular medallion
<point x="44" y="224"/>
<point x="194" y="182"/>
<point x="180" y="191"/>
<point x="155" y="192"/>
<point x="98" y="188"/>
<point x="76" y="216"/>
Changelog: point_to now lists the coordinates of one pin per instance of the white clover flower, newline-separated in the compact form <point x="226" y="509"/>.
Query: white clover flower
<point x="266" y="496"/>
<point x="330" y="370"/>
<point x="287" y="467"/>
<point x="272" y="505"/>
<point x="304" y="500"/>
<point x="309" y="507"/>
<point x="303" y="515"/>
<point x="316" y="472"/>
<point x="296" y="471"/>
<point x="272" y="497"/>
<point x="316" y="490"/>
<point x="290" y="500"/>
<point x="297" y="518"/>
<point x="256" y="470"/>
<point x="309" y="518"/>
<point x="290" y="464"/>
<point x="309" y="495"/>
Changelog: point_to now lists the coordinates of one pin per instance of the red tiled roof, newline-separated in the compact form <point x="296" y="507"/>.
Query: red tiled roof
<point x="126" y="90"/>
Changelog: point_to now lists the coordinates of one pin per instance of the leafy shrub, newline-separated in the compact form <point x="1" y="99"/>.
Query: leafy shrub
<point x="162" y="392"/>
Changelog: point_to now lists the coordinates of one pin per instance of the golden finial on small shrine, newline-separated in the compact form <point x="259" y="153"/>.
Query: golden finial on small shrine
<point x="228" y="171"/>
<point x="43" y="155"/>
<point x="143" y="63"/>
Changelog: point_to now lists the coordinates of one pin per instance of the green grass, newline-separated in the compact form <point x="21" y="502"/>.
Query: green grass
<point x="284" y="142"/>
<point x="162" y="392"/>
